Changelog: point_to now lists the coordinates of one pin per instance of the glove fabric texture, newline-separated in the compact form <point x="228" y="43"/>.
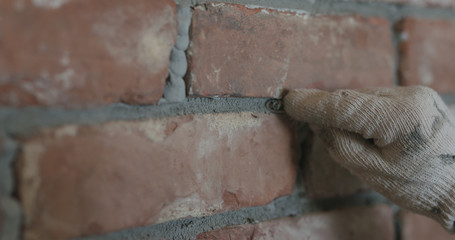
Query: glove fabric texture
<point x="400" y="140"/>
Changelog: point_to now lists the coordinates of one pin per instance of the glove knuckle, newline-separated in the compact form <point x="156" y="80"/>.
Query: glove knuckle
<point x="425" y="92"/>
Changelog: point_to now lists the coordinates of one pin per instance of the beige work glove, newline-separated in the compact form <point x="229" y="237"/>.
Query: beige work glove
<point x="400" y="140"/>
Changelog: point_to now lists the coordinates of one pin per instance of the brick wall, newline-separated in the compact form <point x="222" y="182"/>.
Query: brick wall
<point x="149" y="119"/>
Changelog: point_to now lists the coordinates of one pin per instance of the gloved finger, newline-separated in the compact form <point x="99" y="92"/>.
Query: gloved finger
<point x="351" y="110"/>
<point x="393" y="92"/>
<point x="413" y="95"/>
<point x="352" y="151"/>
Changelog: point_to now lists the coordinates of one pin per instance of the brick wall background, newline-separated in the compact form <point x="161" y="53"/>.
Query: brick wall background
<point x="148" y="119"/>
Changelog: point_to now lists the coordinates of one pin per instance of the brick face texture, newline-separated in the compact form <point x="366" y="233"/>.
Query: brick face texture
<point x="348" y="224"/>
<point x="418" y="227"/>
<point x="76" y="181"/>
<point x="83" y="53"/>
<point x="427" y="53"/>
<point x="83" y="180"/>
<point x="257" y="52"/>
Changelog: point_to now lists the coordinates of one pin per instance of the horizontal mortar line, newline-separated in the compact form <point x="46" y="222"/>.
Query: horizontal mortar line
<point x="289" y="206"/>
<point x="24" y="121"/>
<point x="374" y="9"/>
<point x="14" y="122"/>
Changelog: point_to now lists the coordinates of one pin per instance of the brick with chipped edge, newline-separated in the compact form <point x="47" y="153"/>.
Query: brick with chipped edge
<point x="76" y="181"/>
<point x="238" y="51"/>
<point x="85" y="53"/>
<point x="427" y="50"/>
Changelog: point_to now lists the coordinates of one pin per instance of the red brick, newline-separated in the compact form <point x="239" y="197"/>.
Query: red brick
<point x="244" y="232"/>
<point x="428" y="53"/>
<point x="82" y="53"/>
<point x="260" y="52"/>
<point x="374" y="223"/>
<point x="324" y="178"/>
<point x="76" y="181"/>
<point x="418" y="227"/>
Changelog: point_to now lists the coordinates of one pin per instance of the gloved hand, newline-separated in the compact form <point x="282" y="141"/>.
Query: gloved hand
<point x="400" y="140"/>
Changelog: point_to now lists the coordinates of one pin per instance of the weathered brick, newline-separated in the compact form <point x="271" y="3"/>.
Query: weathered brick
<point x="82" y="53"/>
<point x="418" y="227"/>
<point x="427" y="53"/>
<point x="76" y="181"/>
<point x="243" y="232"/>
<point x="323" y="177"/>
<point x="259" y="52"/>
<point x="348" y="224"/>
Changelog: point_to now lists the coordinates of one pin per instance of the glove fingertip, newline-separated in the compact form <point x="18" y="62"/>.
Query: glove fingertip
<point x="296" y="102"/>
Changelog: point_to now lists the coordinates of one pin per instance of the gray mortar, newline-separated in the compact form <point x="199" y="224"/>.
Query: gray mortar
<point x="304" y="138"/>
<point x="11" y="219"/>
<point x="174" y="91"/>
<point x="371" y="8"/>
<point x="397" y="222"/>
<point x="22" y="122"/>
<point x="25" y="121"/>
<point x="14" y="122"/>
<point x="8" y="149"/>
<point x="289" y="206"/>
<point x="9" y="207"/>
